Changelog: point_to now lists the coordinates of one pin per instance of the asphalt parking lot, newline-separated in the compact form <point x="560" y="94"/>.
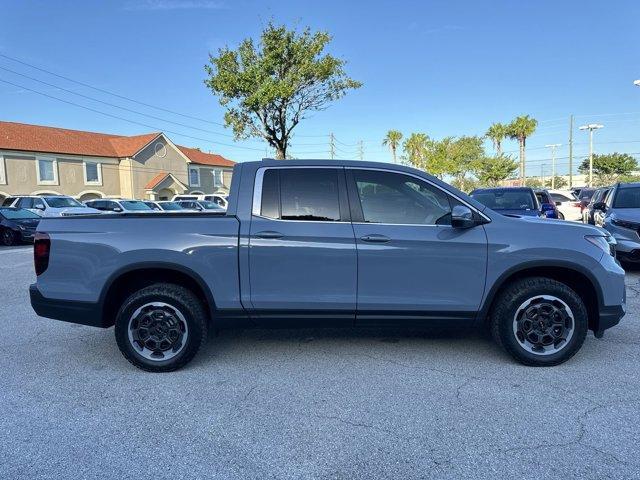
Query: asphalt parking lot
<point x="310" y="404"/>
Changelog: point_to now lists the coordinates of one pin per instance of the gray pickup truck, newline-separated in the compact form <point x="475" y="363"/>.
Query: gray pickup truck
<point x="329" y="243"/>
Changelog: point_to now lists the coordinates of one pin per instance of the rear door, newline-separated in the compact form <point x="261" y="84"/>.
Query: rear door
<point x="412" y="265"/>
<point x="302" y="253"/>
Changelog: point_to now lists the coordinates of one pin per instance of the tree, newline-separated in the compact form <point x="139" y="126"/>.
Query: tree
<point x="268" y="89"/>
<point x="609" y="168"/>
<point x="464" y="153"/>
<point x="415" y="150"/>
<point x="560" y="182"/>
<point x="492" y="170"/>
<point x="519" y="129"/>
<point x="534" y="183"/>
<point x="392" y="140"/>
<point x="497" y="132"/>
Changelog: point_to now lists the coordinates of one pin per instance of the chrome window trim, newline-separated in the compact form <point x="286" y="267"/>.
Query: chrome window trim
<point x="257" y="195"/>
<point x="446" y="192"/>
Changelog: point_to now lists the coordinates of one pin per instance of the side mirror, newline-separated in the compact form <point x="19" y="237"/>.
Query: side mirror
<point x="547" y="207"/>
<point x="558" y="204"/>
<point x="462" y="217"/>
<point x="600" y="206"/>
<point x="39" y="206"/>
<point x="117" y="209"/>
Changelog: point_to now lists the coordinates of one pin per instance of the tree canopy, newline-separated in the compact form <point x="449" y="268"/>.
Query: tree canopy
<point x="609" y="168"/>
<point x="492" y="170"/>
<point x="267" y="89"/>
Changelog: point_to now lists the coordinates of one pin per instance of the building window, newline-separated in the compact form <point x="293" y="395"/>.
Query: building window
<point x="47" y="171"/>
<point x="194" y="177"/>
<point x="3" y="175"/>
<point x="217" y="178"/>
<point x="92" y="173"/>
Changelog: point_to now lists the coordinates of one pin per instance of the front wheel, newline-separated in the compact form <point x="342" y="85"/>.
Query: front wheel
<point x="560" y="216"/>
<point x="8" y="237"/>
<point x="539" y="321"/>
<point x="161" y="327"/>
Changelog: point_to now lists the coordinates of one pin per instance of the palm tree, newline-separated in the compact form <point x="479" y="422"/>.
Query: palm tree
<point x="392" y="140"/>
<point x="415" y="148"/>
<point x="519" y="129"/>
<point x="497" y="132"/>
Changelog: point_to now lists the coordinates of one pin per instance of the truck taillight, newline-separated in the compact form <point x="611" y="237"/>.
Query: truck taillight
<point x="41" y="248"/>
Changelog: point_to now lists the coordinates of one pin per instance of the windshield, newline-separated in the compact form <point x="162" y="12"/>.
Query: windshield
<point x="134" y="205"/>
<point x="63" y="202"/>
<point x="505" y="199"/>
<point x="210" y="205"/>
<point x="17" y="214"/>
<point x="627" y="198"/>
<point x="170" y="206"/>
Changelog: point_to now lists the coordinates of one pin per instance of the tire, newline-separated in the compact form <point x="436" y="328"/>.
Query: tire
<point x="8" y="237"/>
<point x="560" y="216"/>
<point x="538" y="296"/>
<point x="160" y="328"/>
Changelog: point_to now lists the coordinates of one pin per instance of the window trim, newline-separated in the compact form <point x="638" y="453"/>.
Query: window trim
<point x="197" y="169"/>
<point x="3" y="171"/>
<point x="55" y="170"/>
<point x="98" y="168"/>
<point x="219" y="172"/>
<point x="343" y="204"/>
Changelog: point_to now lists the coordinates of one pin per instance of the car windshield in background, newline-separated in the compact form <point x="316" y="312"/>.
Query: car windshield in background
<point x="62" y="202"/>
<point x="627" y="198"/>
<point x="505" y="199"/>
<point x="134" y="205"/>
<point x="210" y="205"/>
<point x="17" y="213"/>
<point x="171" y="206"/>
<point x="586" y="193"/>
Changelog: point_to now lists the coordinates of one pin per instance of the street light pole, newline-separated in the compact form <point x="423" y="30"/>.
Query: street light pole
<point x="591" y="127"/>
<point x="553" y="163"/>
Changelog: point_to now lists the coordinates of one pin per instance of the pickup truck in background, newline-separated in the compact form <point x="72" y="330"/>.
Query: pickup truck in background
<point x="328" y="243"/>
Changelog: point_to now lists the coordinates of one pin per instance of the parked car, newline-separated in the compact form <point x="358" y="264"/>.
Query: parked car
<point x="547" y="205"/>
<point x="221" y="200"/>
<point x="316" y="243"/>
<point x="584" y="196"/>
<point x="49" y="205"/>
<point x="568" y="205"/>
<point x="119" y="205"/>
<point x="200" y="205"/>
<point x="510" y="200"/>
<point x="596" y="199"/>
<point x="622" y="219"/>
<point x="17" y="224"/>
<point x="600" y="212"/>
<point x="168" y="205"/>
<point x="153" y="205"/>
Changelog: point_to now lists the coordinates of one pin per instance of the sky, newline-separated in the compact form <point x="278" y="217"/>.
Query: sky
<point x="444" y="68"/>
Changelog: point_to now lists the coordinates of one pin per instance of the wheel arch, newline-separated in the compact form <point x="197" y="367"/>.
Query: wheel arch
<point x="131" y="278"/>
<point x="574" y="276"/>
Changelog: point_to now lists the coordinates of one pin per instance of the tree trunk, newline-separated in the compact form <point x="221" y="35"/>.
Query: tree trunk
<point x="521" y="142"/>
<point x="393" y="153"/>
<point x="498" y="148"/>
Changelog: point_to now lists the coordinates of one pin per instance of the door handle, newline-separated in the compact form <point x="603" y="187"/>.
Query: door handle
<point x="375" y="238"/>
<point x="269" y="234"/>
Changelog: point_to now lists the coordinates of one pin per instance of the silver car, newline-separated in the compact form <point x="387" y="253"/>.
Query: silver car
<point x="50" y="205"/>
<point x="622" y="219"/>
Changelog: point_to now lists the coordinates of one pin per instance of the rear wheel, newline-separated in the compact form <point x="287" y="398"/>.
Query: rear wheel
<point x="8" y="237"/>
<point x="539" y="321"/>
<point x="160" y="328"/>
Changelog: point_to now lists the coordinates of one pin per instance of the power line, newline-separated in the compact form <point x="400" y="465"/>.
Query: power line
<point x="155" y="128"/>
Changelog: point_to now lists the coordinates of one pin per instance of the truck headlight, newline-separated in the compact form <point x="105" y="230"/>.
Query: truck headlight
<point x="606" y="243"/>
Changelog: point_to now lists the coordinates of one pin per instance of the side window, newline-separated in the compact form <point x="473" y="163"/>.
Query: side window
<point x="25" y="203"/>
<point x="395" y="198"/>
<point x="270" y="204"/>
<point x="309" y="194"/>
<point x="38" y="203"/>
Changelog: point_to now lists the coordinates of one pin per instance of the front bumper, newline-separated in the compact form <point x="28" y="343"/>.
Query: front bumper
<point x="83" y="313"/>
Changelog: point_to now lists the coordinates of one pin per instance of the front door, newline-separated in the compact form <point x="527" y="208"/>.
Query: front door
<point x="411" y="263"/>
<point x="302" y="252"/>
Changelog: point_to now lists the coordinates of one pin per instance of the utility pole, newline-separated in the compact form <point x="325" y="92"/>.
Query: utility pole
<point x="553" y="163"/>
<point x="361" y="150"/>
<point x="591" y="127"/>
<point x="570" y="152"/>
<point x="332" y="146"/>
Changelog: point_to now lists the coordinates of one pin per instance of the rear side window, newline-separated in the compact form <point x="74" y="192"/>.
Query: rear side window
<point x="25" y="203"/>
<point x="558" y="197"/>
<point x="394" y="198"/>
<point x="8" y="201"/>
<point x="310" y="194"/>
